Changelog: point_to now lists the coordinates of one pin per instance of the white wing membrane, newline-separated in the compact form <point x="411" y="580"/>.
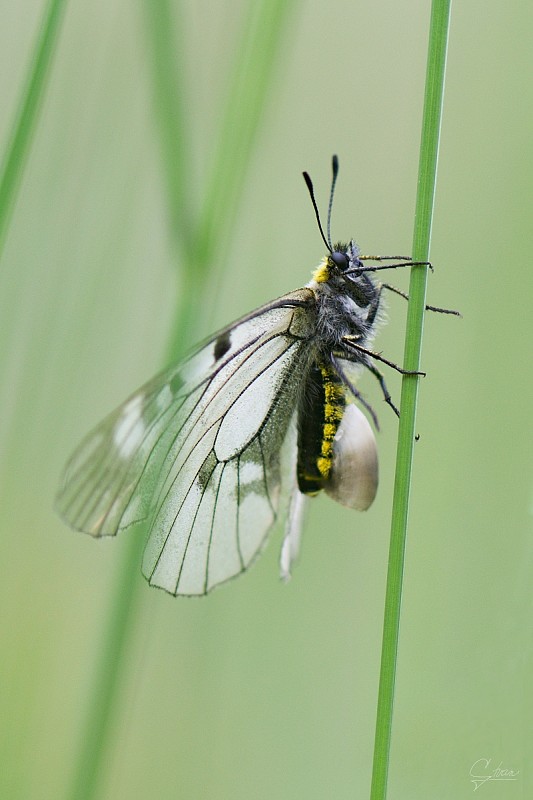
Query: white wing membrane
<point x="196" y="452"/>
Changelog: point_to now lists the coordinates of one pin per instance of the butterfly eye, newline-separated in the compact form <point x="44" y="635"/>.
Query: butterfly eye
<point x="340" y="260"/>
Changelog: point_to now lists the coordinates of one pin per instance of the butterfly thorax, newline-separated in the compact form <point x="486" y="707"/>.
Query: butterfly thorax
<point x="347" y="299"/>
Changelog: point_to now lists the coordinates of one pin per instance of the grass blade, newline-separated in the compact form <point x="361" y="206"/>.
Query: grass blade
<point x="436" y="65"/>
<point x="31" y="99"/>
<point x="253" y="75"/>
<point x="164" y="29"/>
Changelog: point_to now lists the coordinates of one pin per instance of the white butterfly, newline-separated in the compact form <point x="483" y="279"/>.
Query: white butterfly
<point x="196" y="452"/>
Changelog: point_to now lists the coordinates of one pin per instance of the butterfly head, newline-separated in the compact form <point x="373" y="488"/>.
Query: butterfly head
<point x="341" y="264"/>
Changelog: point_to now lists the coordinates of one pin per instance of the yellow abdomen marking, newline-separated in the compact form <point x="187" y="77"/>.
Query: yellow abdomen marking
<point x="318" y="423"/>
<point x="333" y="411"/>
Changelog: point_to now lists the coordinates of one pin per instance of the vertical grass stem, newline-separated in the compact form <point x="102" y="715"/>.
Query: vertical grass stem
<point x="429" y="145"/>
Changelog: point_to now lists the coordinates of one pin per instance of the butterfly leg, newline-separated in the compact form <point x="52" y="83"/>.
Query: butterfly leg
<point x="359" y="269"/>
<point x="366" y="362"/>
<point x="354" y="347"/>
<point x="385" y="258"/>
<point x="337" y="366"/>
<point x="386" y="394"/>
<point x="428" y="308"/>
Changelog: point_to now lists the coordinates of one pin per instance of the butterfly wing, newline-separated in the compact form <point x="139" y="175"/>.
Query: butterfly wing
<point x="195" y="452"/>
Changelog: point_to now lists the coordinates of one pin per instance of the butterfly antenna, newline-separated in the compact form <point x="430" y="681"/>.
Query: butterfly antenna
<point x="309" y="184"/>
<point x="335" y="167"/>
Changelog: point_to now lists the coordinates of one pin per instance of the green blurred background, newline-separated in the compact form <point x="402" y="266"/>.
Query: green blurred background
<point x="263" y="690"/>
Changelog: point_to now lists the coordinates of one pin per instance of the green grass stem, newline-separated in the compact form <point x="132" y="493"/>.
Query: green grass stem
<point x="28" y="111"/>
<point x="254" y="71"/>
<point x="165" y="39"/>
<point x="436" y="66"/>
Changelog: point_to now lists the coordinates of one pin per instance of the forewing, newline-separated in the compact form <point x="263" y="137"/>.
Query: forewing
<point x="196" y="451"/>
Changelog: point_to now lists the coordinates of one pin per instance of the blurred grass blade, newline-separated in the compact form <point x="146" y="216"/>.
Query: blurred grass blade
<point x="165" y="43"/>
<point x="259" y="52"/>
<point x="30" y="104"/>
<point x="436" y="67"/>
<point x="197" y="242"/>
<point x="112" y="653"/>
<point x="252" y="76"/>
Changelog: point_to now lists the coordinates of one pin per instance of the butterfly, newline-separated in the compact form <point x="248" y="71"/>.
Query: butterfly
<point x="201" y="453"/>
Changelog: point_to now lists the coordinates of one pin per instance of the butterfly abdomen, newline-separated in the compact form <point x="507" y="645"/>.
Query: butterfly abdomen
<point x="319" y="415"/>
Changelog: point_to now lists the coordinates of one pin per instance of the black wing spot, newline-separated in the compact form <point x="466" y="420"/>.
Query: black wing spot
<point x="175" y="384"/>
<point x="206" y="471"/>
<point x="222" y="345"/>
